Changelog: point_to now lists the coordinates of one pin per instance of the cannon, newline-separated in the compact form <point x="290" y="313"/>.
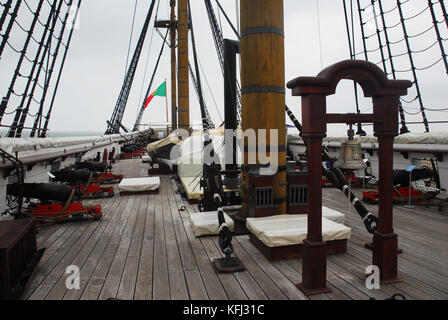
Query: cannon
<point x="103" y="177"/>
<point x="84" y="181"/>
<point x="56" y="202"/>
<point x="401" y="177"/>
<point x="132" y="151"/>
<point x="92" y="166"/>
<point x="45" y="192"/>
<point x="402" y="189"/>
<point x="72" y="176"/>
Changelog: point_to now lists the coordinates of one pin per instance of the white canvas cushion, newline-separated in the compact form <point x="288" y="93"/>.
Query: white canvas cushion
<point x="139" y="184"/>
<point x="285" y="230"/>
<point x="146" y="158"/>
<point x="333" y="215"/>
<point x="206" y="223"/>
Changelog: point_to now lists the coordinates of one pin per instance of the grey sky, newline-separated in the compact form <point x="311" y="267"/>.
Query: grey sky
<point x="95" y="67"/>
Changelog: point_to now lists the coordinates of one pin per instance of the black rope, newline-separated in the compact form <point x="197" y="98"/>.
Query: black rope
<point x="409" y="101"/>
<point x="50" y="109"/>
<point x="421" y="33"/>
<point x="8" y="30"/>
<point x="362" y="29"/>
<point x="445" y="14"/>
<point x="382" y="30"/>
<point x="5" y="100"/>
<point x="38" y="20"/>
<point x="416" y="15"/>
<point x="210" y="90"/>
<point x="148" y="91"/>
<point x="228" y="20"/>
<point x="38" y="120"/>
<point x="219" y="45"/>
<point x="336" y="176"/>
<point x="120" y="107"/>
<point x="413" y="69"/>
<point x="130" y="37"/>
<point x="47" y="50"/>
<point x="13" y="128"/>
<point x="439" y="37"/>
<point x="197" y="77"/>
<point x="380" y="43"/>
<point x="31" y="11"/>
<point x="351" y="45"/>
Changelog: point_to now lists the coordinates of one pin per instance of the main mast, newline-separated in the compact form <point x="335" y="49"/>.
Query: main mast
<point x="263" y="88"/>
<point x="182" y="69"/>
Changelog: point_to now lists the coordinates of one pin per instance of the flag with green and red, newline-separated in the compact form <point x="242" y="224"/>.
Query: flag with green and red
<point x="160" y="92"/>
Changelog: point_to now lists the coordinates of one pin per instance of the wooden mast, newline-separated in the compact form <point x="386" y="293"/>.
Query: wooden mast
<point x="182" y="69"/>
<point x="173" y="26"/>
<point x="263" y="86"/>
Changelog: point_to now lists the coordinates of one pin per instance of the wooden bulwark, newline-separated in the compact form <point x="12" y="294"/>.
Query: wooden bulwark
<point x="144" y="248"/>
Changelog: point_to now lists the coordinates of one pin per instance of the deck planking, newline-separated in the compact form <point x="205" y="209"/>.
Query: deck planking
<point x="144" y="248"/>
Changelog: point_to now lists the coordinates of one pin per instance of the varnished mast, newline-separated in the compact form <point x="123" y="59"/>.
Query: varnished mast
<point x="182" y="69"/>
<point x="173" y="25"/>
<point x="263" y="86"/>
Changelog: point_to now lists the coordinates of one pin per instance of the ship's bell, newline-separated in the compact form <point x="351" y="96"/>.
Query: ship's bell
<point x="350" y="157"/>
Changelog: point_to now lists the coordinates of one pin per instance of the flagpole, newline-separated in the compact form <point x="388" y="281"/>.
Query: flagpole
<point x="166" y="99"/>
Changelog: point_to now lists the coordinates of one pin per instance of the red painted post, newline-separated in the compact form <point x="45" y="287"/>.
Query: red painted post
<point x="385" y="241"/>
<point x="385" y="94"/>
<point x="314" y="266"/>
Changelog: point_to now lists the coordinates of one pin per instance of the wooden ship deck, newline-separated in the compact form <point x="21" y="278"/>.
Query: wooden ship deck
<point x="144" y="248"/>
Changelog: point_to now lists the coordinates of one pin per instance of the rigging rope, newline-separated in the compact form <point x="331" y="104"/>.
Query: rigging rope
<point x="61" y="68"/>
<point x="40" y="66"/>
<point x="113" y="126"/>
<point x="351" y="45"/>
<point x="210" y="90"/>
<point x="439" y="37"/>
<point x="5" y="100"/>
<point x="8" y="30"/>
<point x="48" y="75"/>
<point x="130" y="38"/>
<point x="337" y="178"/>
<point x="235" y="30"/>
<point x="413" y="68"/>
<point x="148" y="91"/>
<point x="147" y="59"/>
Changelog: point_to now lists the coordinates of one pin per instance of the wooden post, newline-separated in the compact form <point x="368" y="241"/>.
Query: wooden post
<point x="173" y="27"/>
<point x="314" y="265"/>
<point x="182" y="69"/>
<point x="385" y="242"/>
<point x="263" y="87"/>
<point x="385" y="94"/>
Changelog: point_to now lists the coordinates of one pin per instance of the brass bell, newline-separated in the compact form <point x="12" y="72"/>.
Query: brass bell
<point x="350" y="157"/>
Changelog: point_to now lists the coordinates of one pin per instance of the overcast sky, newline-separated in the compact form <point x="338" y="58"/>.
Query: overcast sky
<point x="96" y="63"/>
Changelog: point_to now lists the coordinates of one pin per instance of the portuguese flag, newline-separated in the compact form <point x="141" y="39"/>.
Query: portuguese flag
<point x="160" y="91"/>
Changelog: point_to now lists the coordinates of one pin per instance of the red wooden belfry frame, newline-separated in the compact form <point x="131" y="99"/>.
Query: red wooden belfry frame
<point x="385" y="94"/>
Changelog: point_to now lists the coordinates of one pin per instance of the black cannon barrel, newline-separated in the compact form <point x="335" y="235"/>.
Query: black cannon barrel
<point x="130" y="148"/>
<point x="42" y="191"/>
<point x="92" y="166"/>
<point x="127" y="150"/>
<point x="72" y="176"/>
<point x="401" y="177"/>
